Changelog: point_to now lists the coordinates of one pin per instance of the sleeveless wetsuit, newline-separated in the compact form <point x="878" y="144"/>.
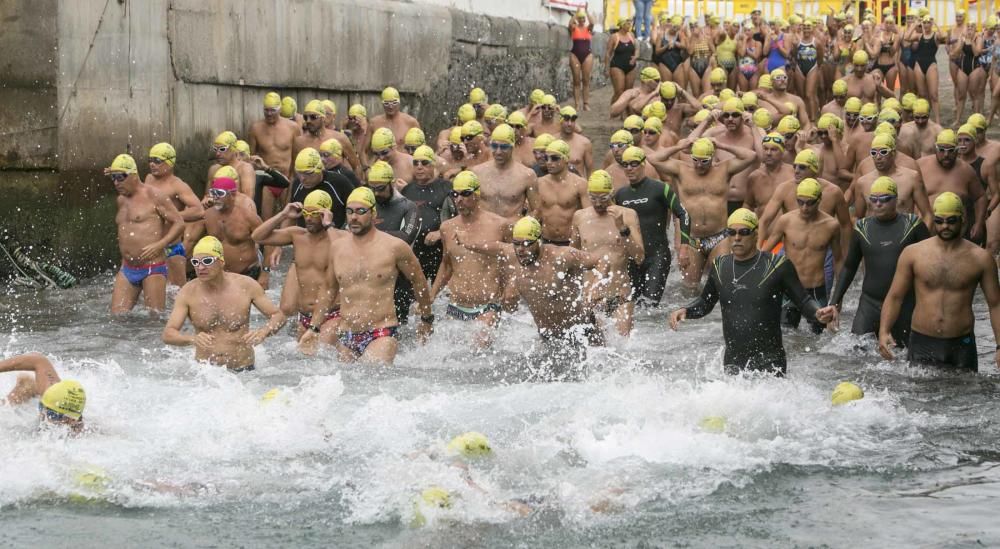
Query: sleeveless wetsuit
<point x="653" y="201"/>
<point x="751" y="292"/>
<point x="622" y="57"/>
<point x="926" y="53"/>
<point x="806" y="55"/>
<point x="879" y="244"/>
<point x="581" y="37"/>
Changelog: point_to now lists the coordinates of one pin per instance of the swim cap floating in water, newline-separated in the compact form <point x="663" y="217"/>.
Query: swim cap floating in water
<point x="66" y="397"/>
<point x="208" y="245"/>
<point x="599" y="182"/>
<point x="527" y="228"/>
<point x="380" y="172"/>
<point x="471" y="444"/>
<point x="846" y="392"/>
<point x="713" y="424"/>
<point x="308" y="161"/>
<point x="742" y="216"/>
<point x="948" y="203"/>
<point x="164" y="152"/>
<point x="318" y="200"/>
<point x="884" y="185"/>
<point x="465" y="181"/>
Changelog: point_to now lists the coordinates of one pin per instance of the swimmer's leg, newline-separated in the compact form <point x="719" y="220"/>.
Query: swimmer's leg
<point x="692" y="274"/>
<point x="289" y="303"/>
<point x="381" y="351"/>
<point x="124" y="295"/>
<point x="328" y="331"/>
<point x="154" y="292"/>
<point x="177" y="270"/>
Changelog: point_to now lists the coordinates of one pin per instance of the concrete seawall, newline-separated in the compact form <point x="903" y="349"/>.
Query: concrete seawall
<point x="85" y="80"/>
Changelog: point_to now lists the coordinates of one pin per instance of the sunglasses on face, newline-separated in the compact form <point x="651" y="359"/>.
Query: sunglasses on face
<point x="220" y="148"/>
<point x="950" y="220"/>
<point x="421" y="162"/>
<point x="516" y="126"/>
<point x="383" y="153"/>
<point x="501" y="146"/>
<point x="569" y="118"/>
<point x="806" y="203"/>
<point x="312" y="117"/>
<point x="553" y="158"/>
<point x="728" y="115"/>
<point x="409" y="149"/>
<point x="356" y="211"/>
<point x="52" y="415"/>
<point x="878" y="153"/>
<point x="945" y="150"/>
<point x="156" y="161"/>
<point x="467" y="138"/>
<point x="883" y="199"/>
<point x="742" y="232"/>
<point x="270" y="111"/>
<point x="377" y="189"/>
<point x="325" y="155"/>
<point x="466" y="193"/>
<point x="619" y="145"/>
<point x="633" y="164"/>
<point x="204" y="261"/>
<point x="218" y="194"/>
<point x="789" y="136"/>
<point x="118" y="177"/>
<point x="650" y="132"/>
<point x="524" y="243"/>
<point x="634" y="131"/>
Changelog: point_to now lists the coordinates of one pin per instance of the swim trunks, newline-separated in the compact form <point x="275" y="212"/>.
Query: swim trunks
<point x="706" y="244"/>
<point x="946" y="352"/>
<point x="555" y="242"/>
<point x="176" y="249"/>
<point x="135" y="274"/>
<point x="357" y="342"/>
<point x="471" y="313"/>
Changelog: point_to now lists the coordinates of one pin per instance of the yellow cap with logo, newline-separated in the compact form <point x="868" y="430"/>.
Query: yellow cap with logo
<point x="732" y="104"/>
<point x="599" y="182"/>
<point x="549" y="100"/>
<point x="423" y="152"/>
<point x="472" y="127"/>
<point x="809" y="158"/>
<point x="477" y="96"/>
<point x="764" y="82"/>
<point x="788" y="124"/>
<point x="967" y="129"/>
<point x="668" y="90"/>
<point x="853" y="105"/>
<point x="226" y="172"/>
<point x="470" y="445"/>
<point x="466" y="113"/>
<point x="559" y="147"/>
<point x="860" y="57"/>
<point x="517" y="118"/>
<point x="414" y="137"/>
<point x="633" y="122"/>
<point x="503" y="134"/>
<point x="527" y="228"/>
<point x="921" y="107"/>
<point x="839" y="88"/>
<point x="658" y="110"/>
<point x="846" y="392"/>
<point x="383" y="139"/>
<point x="889" y="115"/>
<point x="363" y="195"/>
<point x="717" y="76"/>
<point x="892" y="103"/>
<point x="809" y="188"/>
<point x="465" y="181"/>
<point x="315" y="107"/>
<point x="542" y="142"/>
<point x="123" y="163"/>
<point x="653" y="124"/>
<point x="390" y="93"/>
<point x="701" y="116"/>
<point x="649" y="74"/>
<point x="455" y="137"/>
<point x="318" y="200"/>
<point x="742" y="216"/>
<point x="496" y="111"/>
<point x="225" y="139"/>
<point x="884" y="185"/>
<point x="308" y="161"/>
<point x="710" y="101"/>
<point x="774" y="140"/>
<point x="830" y="120"/>
<point x="272" y="100"/>
<point x="884" y="141"/>
<point x="536" y="96"/>
<point x="726" y="94"/>
<point x="749" y="100"/>
<point x="164" y="152"/>
<point x="288" y="107"/>
<point x="978" y="120"/>
<point x="946" y="138"/>
<point x="869" y="109"/>
<point x="633" y="154"/>
<point x="948" y="203"/>
<point x="622" y="137"/>
<point x="357" y="110"/>
<point x="567" y="112"/>
<point x="762" y="118"/>
<point x="209" y="245"/>
<point x="381" y="172"/>
<point x="66" y="397"/>
<point x="702" y="148"/>
<point x="332" y="147"/>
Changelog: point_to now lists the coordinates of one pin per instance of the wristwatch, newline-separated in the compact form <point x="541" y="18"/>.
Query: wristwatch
<point x="429" y="319"/>
<point x="626" y="232"/>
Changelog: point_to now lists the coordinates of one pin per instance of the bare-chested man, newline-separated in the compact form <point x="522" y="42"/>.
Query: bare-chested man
<point x="315" y="131"/>
<point x="507" y="185"/>
<point x="765" y="179"/>
<point x="218" y="305"/>
<point x="476" y="148"/>
<point x="944" y="271"/>
<point x="632" y="100"/>
<point x="837" y="104"/>
<point x="703" y="188"/>
<point x="832" y="156"/>
<point x="547" y="123"/>
<point x="147" y="223"/>
<point x="348" y="150"/>
<point x="621" y="140"/>
<point x="226" y="154"/>
<point x="866" y="86"/>
<point x="581" y="150"/>
<point x="677" y="111"/>
<point x="356" y="128"/>
<point x="454" y="159"/>
<point x="986" y="169"/>
<point x="780" y="98"/>
<point x="523" y="144"/>
<point x="852" y="116"/>
<point x="612" y="233"/>
<point x="162" y="158"/>
<point x="945" y="172"/>
<point x="916" y="138"/>
<point x="272" y="139"/>
<point x="807" y="235"/>
<point x="736" y="129"/>
<point x="231" y="217"/>
<point x="383" y="147"/>
<point x="394" y="119"/>
<point x="311" y="245"/>
<point x="465" y="113"/>
<point x="911" y="196"/>
<point x="363" y="268"/>
<point x="560" y="195"/>
<point x="474" y="281"/>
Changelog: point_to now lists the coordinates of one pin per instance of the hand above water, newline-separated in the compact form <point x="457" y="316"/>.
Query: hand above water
<point x="885" y="345"/>
<point x="677" y="317"/>
<point x="255" y="337"/>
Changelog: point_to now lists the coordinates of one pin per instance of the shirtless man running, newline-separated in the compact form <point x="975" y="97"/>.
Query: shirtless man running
<point x="162" y="158"/>
<point x="916" y="138"/>
<point x="147" y="223"/>
<point x="736" y="130"/>
<point x="272" y="139"/>
<point x="383" y="147"/>
<point x="231" y="217"/>
<point x="911" y="196"/>
<point x="226" y="154"/>
<point x="765" y="179"/>
<point x="560" y="195"/>
<point x="218" y="305"/>
<point x="507" y="185"/>
<point x="581" y="150"/>
<point x="944" y="171"/>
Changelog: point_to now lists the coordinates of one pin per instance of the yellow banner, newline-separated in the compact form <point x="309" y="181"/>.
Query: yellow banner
<point x="744" y="7"/>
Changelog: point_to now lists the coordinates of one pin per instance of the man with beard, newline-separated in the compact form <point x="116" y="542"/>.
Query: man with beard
<point x="548" y="123"/>
<point x="736" y="130"/>
<point x="508" y="187"/>
<point x="943" y="272"/>
<point x="162" y="158"/>
<point x="476" y="151"/>
<point x="945" y="172"/>
<point x="560" y="195"/>
<point x="362" y="269"/>
<point x="916" y="138"/>
<point x="779" y="96"/>
<point x="866" y="86"/>
<point x="581" y="150"/>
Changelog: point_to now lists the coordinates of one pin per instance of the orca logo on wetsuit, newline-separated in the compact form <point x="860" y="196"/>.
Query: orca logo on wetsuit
<point x="636" y="201"/>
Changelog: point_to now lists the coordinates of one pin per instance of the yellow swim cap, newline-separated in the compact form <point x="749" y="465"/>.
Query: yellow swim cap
<point x="622" y="137"/>
<point x="633" y="122"/>
<point x="653" y="124"/>
<point x="226" y="172"/>
<point x="542" y="142"/>
<point x="884" y="185"/>
<point x="921" y="107"/>
<point x="967" y="129"/>
<point x="702" y="148"/>
<point x="860" y="57"/>
<point x="732" y="104"/>
<point x="788" y="124"/>
<point x="270" y="395"/>
<point x="308" y="161"/>
<point x="358" y="111"/>
<point x="712" y="424"/>
<point x="503" y="134"/>
<point x="778" y="73"/>
<point x="749" y="100"/>
<point x="272" y="100"/>
<point x="645" y="112"/>
<point x="889" y="115"/>
<point x="549" y="100"/>
<point x="414" y="137"/>
<point x="477" y="96"/>
<point x="846" y="392"/>
<point x="658" y="110"/>
<point x="225" y="139"/>
<point x="808" y="188"/>
<point x="383" y="139"/>
<point x="318" y="200"/>
<point x="123" y="163"/>
<point x="567" y="112"/>
<point x="726" y="94"/>
<point x="243" y="147"/>
<point x="978" y="120"/>
<point x="436" y="496"/>
<point x="288" y="107"/>
<point x="809" y="158"/>
<point x="709" y="101"/>
<point x="424" y="152"/>
<point x="381" y="172"/>
<point x="634" y="154"/>
<point x="869" y="109"/>
<point x="466" y="113"/>
<point x="363" y="195"/>
<point x="668" y="90"/>
<point x="948" y="203"/>
<point x="700" y="116"/>
<point x="892" y="103"/>
<point x="559" y="147"/>
<point x="517" y="118"/>
<point x="885" y="128"/>
<point x="883" y="141"/>
<point x="829" y="120"/>
<point x="946" y="138"/>
<point x="908" y="99"/>
<point x="496" y="111"/>
<point x="465" y="181"/>
<point x="762" y="118"/>
<point x="332" y="147"/>
<point x="164" y="152"/>
<point x="209" y="245"/>
<point x="853" y="105"/>
<point x="536" y="96"/>
<point x="472" y="127"/>
<point x="649" y="74"/>
<point x="390" y="93"/>
<point x="599" y="182"/>
<point x="455" y="137"/>
<point x="66" y="397"/>
<point x="471" y="444"/>
<point x="839" y="88"/>
<point x="742" y="216"/>
<point x="315" y="107"/>
<point x="764" y="82"/>
<point x="527" y="228"/>
<point x="330" y="106"/>
<point x="717" y="76"/>
<point x="774" y="140"/>
<point x="992" y="22"/>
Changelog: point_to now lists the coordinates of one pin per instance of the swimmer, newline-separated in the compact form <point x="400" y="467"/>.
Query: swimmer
<point x="946" y="172"/>
<point x="429" y="193"/>
<point x="392" y="117"/>
<point x="773" y="170"/>
<point x="523" y="143"/>
<point x="750" y="284"/>
<point x="218" y="305"/>
<point x="383" y="147"/>
<point x="231" y="217"/>
<point x="581" y="150"/>
<point x="162" y="158"/>
<point x="837" y="104"/>
<point x="226" y="154"/>
<point x="273" y="140"/>
<point x="632" y="100"/>
<point x="455" y="158"/>
<point x="917" y="138"/>
<point x="397" y="216"/>
<point x="867" y="86"/>
<point x="311" y="245"/>
<point x="547" y="122"/>
<point x="363" y="269"/>
<point x="943" y="271"/>
<point x="474" y="281"/>
<point x="506" y="186"/>
<point x="560" y="195"/>
<point x="147" y="224"/>
<point x="465" y="113"/>
<point x="332" y="153"/>
<point x="60" y="402"/>
<point x="736" y="129"/>
<point x="476" y="148"/>
<point x="356" y="129"/>
<point x="784" y="102"/>
<point x="612" y="232"/>
<point x="911" y="196"/>
<point x="879" y="240"/>
<point x="831" y="151"/>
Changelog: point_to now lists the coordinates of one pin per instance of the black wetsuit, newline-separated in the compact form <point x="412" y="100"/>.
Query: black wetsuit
<point x="879" y="244"/>
<point x="398" y="217"/>
<point x="336" y="185"/>
<point x="653" y="201"/>
<point x="750" y="292"/>
<point x="348" y="173"/>
<point x="429" y="199"/>
<point x="267" y="178"/>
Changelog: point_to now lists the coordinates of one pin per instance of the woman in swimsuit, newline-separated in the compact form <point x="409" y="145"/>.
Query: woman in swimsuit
<point x="963" y="59"/>
<point x="844" y="48"/>
<point x="749" y="51"/>
<point x="925" y="40"/>
<point x="808" y="52"/>
<point x="581" y="60"/>
<point x="777" y="49"/>
<point x="988" y="47"/>
<point x="621" y="58"/>
<point x="669" y="46"/>
<point x="725" y="51"/>
<point x="907" y="79"/>
<point x="887" y="45"/>
<point x="700" y="48"/>
<point x="956" y="36"/>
